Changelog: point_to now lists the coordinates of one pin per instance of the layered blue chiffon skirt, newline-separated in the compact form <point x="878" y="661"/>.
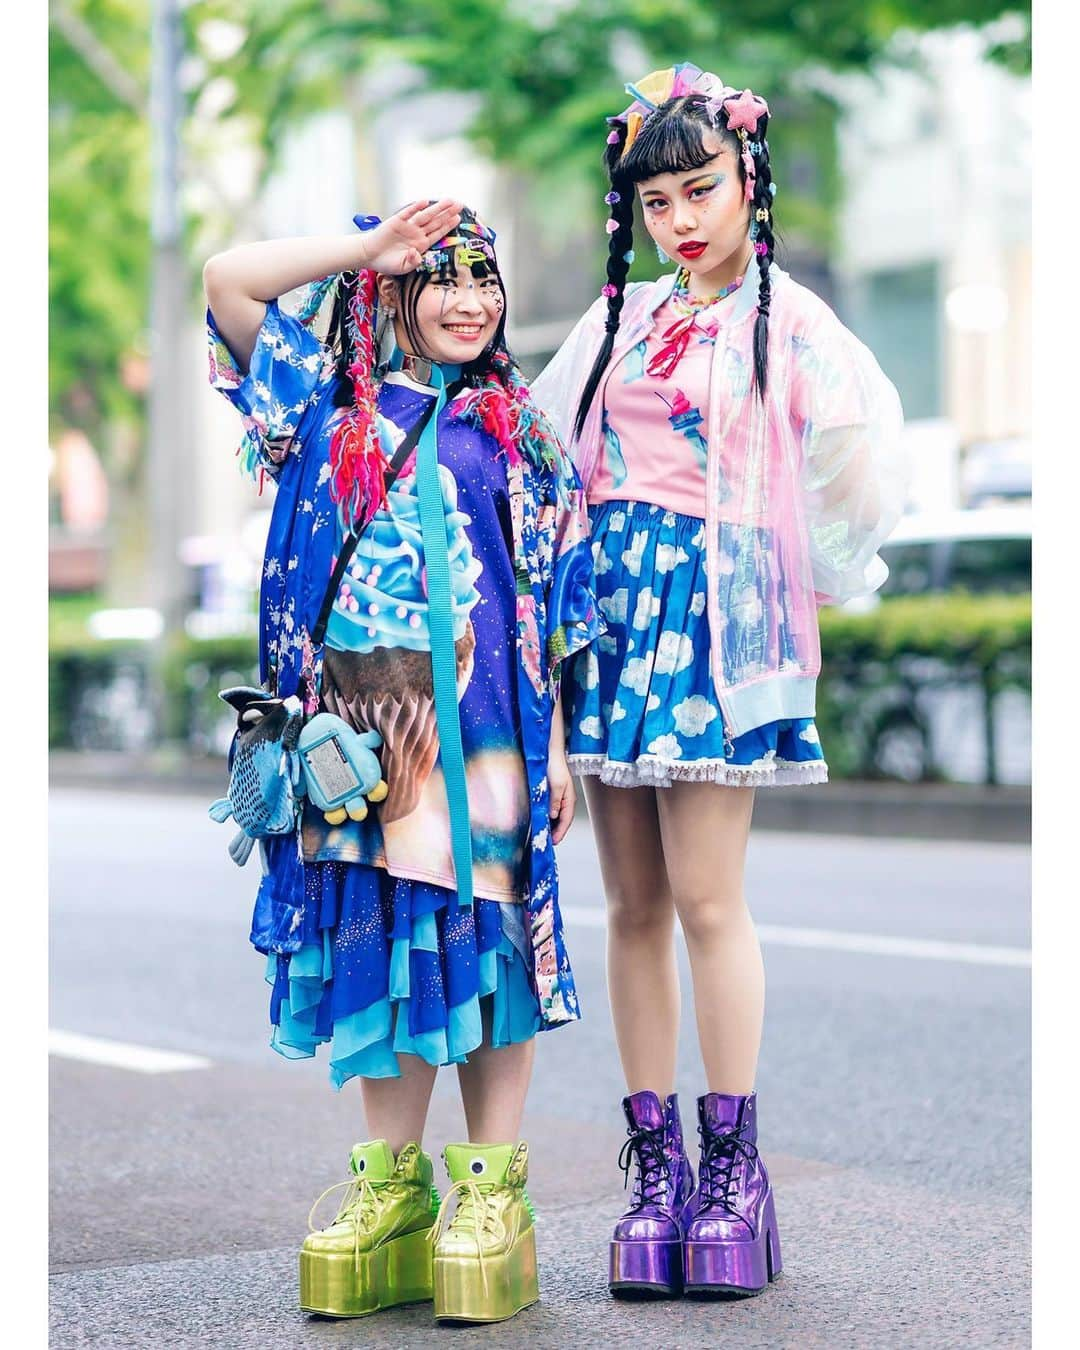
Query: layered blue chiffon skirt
<point x="388" y="966"/>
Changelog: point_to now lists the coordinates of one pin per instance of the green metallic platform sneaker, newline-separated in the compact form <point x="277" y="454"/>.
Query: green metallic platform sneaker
<point x="377" y="1252"/>
<point x="485" y="1255"/>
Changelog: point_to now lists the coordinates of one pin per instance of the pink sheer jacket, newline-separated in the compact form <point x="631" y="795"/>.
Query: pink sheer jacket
<point x="816" y="472"/>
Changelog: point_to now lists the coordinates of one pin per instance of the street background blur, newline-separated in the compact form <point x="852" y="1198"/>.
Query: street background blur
<point x="895" y="1068"/>
<point x="902" y="151"/>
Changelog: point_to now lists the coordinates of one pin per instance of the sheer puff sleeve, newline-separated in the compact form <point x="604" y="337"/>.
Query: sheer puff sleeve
<point x="573" y="616"/>
<point x="853" y="472"/>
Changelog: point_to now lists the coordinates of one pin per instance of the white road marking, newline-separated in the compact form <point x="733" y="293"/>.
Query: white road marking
<point x="868" y="944"/>
<point x="119" y="1055"/>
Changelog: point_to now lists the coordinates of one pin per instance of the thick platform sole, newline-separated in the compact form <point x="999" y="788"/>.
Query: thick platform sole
<point x="511" y="1284"/>
<point x="734" y="1269"/>
<point x="645" y="1270"/>
<point x="396" y="1272"/>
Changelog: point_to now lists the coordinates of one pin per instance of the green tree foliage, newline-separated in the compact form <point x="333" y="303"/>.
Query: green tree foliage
<point x="99" y="199"/>
<point x="545" y="74"/>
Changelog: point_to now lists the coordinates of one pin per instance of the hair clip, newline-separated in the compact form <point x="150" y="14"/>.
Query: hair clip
<point x="608" y="291"/>
<point x="465" y="255"/>
<point x="612" y="198"/>
<point x="745" y="111"/>
<point x="761" y="248"/>
<point x="628" y="257"/>
<point x="611" y="226"/>
<point x="762" y="213"/>
<point x="613" y="138"/>
<point x="772" y="188"/>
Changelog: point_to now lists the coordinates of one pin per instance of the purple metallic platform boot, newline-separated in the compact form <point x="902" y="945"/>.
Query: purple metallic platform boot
<point x="732" y="1244"/>
<point x="646" y="1247"/>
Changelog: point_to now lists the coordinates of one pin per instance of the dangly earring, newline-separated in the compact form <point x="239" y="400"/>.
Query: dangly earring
<point x="661" y="254"/>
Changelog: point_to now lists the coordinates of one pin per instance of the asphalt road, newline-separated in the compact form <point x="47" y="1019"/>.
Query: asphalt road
<point x="894" y="1096"/>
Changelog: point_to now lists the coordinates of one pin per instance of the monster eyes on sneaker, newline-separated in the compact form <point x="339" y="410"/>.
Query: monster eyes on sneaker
<point x="478" y="1167"/>
<point x="361" y="1166"/>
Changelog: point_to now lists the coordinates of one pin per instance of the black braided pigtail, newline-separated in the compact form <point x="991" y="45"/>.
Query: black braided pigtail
<point x="620" y="242"/>
<point x="761" y="230"/>
<point x="338" y="338"/>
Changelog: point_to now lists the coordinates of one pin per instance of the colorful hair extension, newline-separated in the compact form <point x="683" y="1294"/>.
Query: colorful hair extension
<point x="357" y="462"/>
<point x="502" y="405"/>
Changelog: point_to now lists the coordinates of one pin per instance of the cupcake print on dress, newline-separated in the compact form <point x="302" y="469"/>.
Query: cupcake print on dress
<point x="377" y="663"/>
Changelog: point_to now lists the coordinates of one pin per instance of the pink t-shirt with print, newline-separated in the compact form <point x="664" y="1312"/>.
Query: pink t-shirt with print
<point x="655" y="425"/>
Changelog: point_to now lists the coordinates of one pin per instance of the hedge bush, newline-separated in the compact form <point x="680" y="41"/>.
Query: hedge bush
<point x="875" y="664"/>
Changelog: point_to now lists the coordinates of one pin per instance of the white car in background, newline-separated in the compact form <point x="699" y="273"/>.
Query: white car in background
<point x="941" y="727"/>
<point x="979" y="551"/>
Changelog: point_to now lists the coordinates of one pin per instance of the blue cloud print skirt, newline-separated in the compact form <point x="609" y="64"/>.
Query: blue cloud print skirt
<point x="643" y="710"/>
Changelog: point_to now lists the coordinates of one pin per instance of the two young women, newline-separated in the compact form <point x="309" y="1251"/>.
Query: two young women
<point x="737" y="450"/>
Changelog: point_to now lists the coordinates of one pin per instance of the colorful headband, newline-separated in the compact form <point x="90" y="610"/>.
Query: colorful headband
<point x="470" y="242"/>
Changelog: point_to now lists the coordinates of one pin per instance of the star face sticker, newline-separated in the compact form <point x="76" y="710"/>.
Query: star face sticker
<point x="745" y="111"/>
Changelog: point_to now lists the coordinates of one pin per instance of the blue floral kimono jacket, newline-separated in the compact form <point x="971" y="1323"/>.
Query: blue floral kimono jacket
<point x="287" y="406"/>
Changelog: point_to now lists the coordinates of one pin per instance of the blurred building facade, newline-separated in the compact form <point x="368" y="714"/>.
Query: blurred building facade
<point x="933" y="266"/>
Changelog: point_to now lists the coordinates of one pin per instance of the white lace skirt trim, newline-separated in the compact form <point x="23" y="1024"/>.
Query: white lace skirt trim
<point x="653" y="771"/>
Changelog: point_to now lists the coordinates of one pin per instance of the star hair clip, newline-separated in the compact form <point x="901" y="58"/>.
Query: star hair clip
<point x="745" y="111"/>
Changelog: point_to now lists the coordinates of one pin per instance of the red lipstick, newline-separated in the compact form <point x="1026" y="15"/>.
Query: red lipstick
<point x="694" y="249"/>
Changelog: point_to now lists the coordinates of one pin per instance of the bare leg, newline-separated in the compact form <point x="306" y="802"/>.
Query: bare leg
<point x="396" y="1108"/>
<point x="643" y="980"/>
<point x="705" y="829"/>
<point x="494" y="1084"/>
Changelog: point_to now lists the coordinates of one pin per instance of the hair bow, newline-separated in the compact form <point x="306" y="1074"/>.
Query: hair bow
<point x="660" y="86"/>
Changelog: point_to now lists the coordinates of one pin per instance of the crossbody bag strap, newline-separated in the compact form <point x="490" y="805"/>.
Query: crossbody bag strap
<point x="443" y="655"/>
<point x="348" y="545"/>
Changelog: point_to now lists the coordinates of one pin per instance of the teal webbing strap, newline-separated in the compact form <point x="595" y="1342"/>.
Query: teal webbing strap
<point x="443" y="658"/>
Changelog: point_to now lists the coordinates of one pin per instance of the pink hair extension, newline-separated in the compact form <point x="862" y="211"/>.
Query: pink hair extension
<point x="357" y="462"/>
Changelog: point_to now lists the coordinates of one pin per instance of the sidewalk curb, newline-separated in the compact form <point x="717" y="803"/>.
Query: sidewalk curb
<point x="959" y="811"/>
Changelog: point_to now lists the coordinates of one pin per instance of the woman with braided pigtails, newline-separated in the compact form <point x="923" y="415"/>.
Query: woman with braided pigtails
<point x="739" y="450"/>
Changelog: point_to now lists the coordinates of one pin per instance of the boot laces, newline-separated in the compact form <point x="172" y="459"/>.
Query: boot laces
<point x="650" y="1181"/>
<point x="474" y="1215"/>
<point x="361" y="1206"/>
<point x="721" y="1155"/>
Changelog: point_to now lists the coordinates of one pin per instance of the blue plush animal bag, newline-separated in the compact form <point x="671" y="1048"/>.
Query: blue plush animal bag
<point x="264" y="768"/>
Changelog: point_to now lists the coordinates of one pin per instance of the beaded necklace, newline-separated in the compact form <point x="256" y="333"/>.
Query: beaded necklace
<point x="686" y="303"/>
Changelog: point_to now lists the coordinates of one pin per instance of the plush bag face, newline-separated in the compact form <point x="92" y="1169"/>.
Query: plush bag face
<point x="330" y="776"/>
<point x="261" y="790"/>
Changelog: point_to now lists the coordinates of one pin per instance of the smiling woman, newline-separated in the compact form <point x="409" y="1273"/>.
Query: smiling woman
<point x="452" y="308"/>
<point x="426" y="573"/>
